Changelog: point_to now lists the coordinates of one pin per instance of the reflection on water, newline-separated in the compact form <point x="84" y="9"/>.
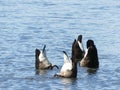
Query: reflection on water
<point x="68" y="80"/>
<point x="41" y="72"/>
<point x="91" y="71"/>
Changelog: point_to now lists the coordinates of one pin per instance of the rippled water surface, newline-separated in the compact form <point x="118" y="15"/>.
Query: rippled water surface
<point x="29" y="24"/>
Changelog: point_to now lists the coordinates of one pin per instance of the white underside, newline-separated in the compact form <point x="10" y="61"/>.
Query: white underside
<point x="43" y="58"/>
<point x="67" y="64"/>
<point x="81" y="46"/>
<point x="86" y="53"/>
<point x="82" y="61"/>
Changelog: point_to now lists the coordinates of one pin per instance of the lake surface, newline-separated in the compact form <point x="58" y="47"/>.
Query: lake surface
<point x="29" y="24"/>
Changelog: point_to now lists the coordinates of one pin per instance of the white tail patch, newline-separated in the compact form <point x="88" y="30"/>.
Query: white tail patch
<point x="43" y="57"/>
<point x="86" y="53"/>
<point x="67" y="64"/>
<point x="80" y="45"/>
<point x="82" y="61"/>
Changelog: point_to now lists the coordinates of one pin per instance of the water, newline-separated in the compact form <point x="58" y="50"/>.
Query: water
<point x="29" y="24"/>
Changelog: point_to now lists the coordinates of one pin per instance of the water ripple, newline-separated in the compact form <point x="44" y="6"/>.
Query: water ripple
<point x="27" y="25"/>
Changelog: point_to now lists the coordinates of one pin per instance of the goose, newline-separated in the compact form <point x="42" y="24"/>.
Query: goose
<point x="42" y="61"/>
<point x="69" y="68"/>
<point x="90" y="58"/>
<point x="77" y="49"/>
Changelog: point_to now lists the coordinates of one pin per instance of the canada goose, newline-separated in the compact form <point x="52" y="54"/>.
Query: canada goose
<point x="69" y="68"/>
<point x="77" y="49"/>
<point x="90" y="59"/>
<point x="42" y="61"/>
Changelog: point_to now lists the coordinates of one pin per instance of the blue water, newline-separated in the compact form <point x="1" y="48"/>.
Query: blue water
<point x="29" y="24"/>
